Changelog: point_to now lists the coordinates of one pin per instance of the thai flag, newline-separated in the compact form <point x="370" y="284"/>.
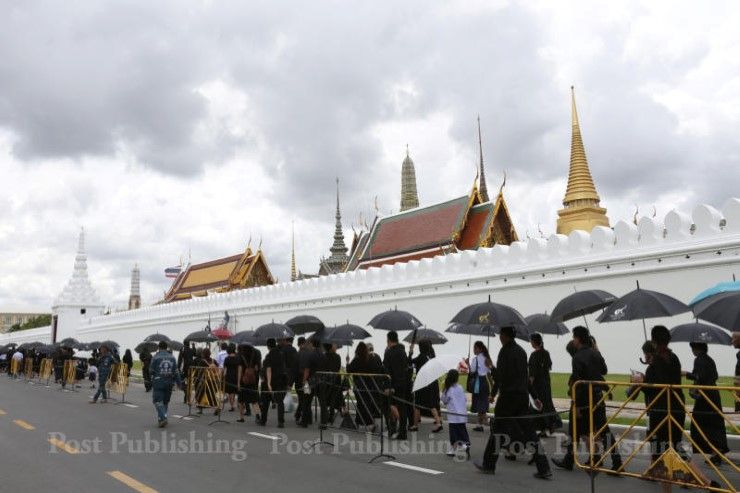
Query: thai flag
<point x="172" y="272"/>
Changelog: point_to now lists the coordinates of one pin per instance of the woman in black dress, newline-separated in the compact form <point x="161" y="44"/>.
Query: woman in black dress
<point x="367" y="389"/>
<point x="129" y="360"/>
<point x="426" y="400"/>
<point x="706" y="418"/>
<point x="231" y="375"/>
<point x="539" y="367"/>
<point x="249" y="368"/>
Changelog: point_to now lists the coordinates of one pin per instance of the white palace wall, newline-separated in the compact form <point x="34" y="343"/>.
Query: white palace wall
<point x="679" y="255"/>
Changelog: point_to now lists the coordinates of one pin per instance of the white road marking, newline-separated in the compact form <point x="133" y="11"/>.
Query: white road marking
<point x="413" y="468"/>
<point x="130" y="405"/>
<point x="262" y="435"/>
<point x="178" y="416"/>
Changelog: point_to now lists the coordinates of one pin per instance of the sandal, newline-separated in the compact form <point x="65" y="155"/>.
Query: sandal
<point x="438" y="428"/>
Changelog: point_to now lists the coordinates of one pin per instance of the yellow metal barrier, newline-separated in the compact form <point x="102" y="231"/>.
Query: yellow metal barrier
<point x="15" y="368"/>
<point x="28" y="368"/>
<point x="118" y="380"/>
<point x="667" y="465"/>
<point x="205" y="387"/>
<point x="45" y="370"/>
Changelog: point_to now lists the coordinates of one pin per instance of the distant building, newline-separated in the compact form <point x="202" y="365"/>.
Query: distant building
<point x="9" y="319"/>
<point x="245" y="270"/>
<point x="134" y="299"/>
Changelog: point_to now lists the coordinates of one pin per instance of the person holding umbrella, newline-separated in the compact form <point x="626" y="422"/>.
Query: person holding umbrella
<point x="510" y="414"/>
<point x="146" y="358"/>
<point x="478" y="382"/>
<point x="706" y="418"/>
<point x="274" y="383"/>
<point x="396" y="365"/>
<point x="427" y="398"/>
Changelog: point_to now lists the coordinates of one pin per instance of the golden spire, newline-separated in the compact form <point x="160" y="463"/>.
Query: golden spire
<point x="580" y="184"/>
<point x="581" y="202"/>
<point x="293" y="272"/>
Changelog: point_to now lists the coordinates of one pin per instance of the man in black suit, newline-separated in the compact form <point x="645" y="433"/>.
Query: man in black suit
<point x="397" y="366"/>
<point x="510" y="423"/>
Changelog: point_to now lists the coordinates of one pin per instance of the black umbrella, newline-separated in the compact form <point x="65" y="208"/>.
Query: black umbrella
<point x="642" y="304"/>
<point x="424" y="334"/>
<point x="722" y="309"/>
<point x="496" y="315"/>
<point x="201" y="336"/>
<point x="581" y="303"/>
<point x="93" y="345"/>
<point x="175" y="345"/>
<point x="544" y="324"/>
<point x="146" y="346"/>
<point x="273" y="331"/>
<point x="157" y="337"/>
<point x="395" y="320"/>
<point x="344" y="334"/>
<point x="245" y="337"/>
<point x="698" y="332"/>
<point x="46" y="349"/>
<point x="303" y="324"/>
<point x="82" y="346"/>
<point x="472" y="329"/>
<point x="110" y="344"/>
<point x="69" y="342"/>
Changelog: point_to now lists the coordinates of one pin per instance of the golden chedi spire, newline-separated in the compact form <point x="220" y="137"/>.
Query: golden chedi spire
<point x="581" y="204"/>
<point x="293" y="270"/>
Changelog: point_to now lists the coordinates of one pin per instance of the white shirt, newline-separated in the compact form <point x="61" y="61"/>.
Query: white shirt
<point x="478" y="365"/>
<point x="220" y="357"/>
<point x="457" y="405"/>
<point x="18" y="356"/>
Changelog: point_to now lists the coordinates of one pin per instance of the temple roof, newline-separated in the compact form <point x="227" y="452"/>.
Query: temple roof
<point x="477" y="226"/>
<point x="234" y="272"/>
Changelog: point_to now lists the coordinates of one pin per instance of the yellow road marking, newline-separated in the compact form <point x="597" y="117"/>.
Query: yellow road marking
<point x="24" y="425"/>
<point x="64" y="446"/>
<point x="131" y="482"/>
<point x="2" y="412"/>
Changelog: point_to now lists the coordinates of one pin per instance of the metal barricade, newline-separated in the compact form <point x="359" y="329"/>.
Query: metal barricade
<point x="118" y="380"/>
<point x="28" y="368"/>
<point x="360" y="399"/>
<point x="205" y="388"/>
<point x="46" y="369"/>
<point x="15" y="368"/>
<point x="69" y="374"/>
<point x="667" y="411"/>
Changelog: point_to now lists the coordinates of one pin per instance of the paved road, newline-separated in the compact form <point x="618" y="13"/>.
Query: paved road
<point x="105" y="446"/>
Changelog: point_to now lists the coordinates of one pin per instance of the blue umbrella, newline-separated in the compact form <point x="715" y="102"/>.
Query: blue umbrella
<point x="723" y="287"/>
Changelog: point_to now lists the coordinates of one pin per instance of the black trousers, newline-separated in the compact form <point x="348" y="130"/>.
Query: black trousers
<point x="303" y="412"/>
<point x="512" y="429"/>
<point x="267" y="398"/>
<point x="606" y="438"/>
<point x="401" y="397"/>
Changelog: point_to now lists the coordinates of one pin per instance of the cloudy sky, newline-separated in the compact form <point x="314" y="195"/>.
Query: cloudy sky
<point x="168" y="127"/>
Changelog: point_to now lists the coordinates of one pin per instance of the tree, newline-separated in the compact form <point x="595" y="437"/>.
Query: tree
<point x="40" y="321"/>
<point x="14" y="328"/>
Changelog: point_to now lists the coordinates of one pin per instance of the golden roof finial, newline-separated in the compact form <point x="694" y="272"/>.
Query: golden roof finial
<point x="293" y="273"/>
<point x="580" y="184"/>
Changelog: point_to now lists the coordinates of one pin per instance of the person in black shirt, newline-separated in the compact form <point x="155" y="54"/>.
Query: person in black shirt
<point x="396" y="365"/>
<point x="588" y="365"/>
<point x="540" y="365"/>
<point x="706" y="402"/>
<point x="129" y="360"/>
<point x="308" y="360"/>
<point x="146" y="358"/>
<point x="367" y="389"/>
<point x="329" y="388"/>
<point x="290" y="355"/>
<point x="274" y="384"/>
<point x="231" y="375"/>
<point x="510" y="423"/>
<point x="184" y="361"/>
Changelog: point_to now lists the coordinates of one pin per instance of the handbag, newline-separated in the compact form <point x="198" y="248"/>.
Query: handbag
<point x="249" y="376"/>
<point x="473" y="379"/>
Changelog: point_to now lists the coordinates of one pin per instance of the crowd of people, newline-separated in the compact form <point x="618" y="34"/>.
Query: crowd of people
<point x="518" y="386"/>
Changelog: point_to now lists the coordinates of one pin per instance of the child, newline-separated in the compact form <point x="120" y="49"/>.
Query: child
<point x="92" y="371"/>
<point x="457" y="414"/>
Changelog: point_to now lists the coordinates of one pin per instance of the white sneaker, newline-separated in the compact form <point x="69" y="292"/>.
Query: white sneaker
<point x="451" y="451"/>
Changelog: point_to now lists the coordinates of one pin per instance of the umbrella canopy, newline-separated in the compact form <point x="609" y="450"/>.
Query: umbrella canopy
<point x="273" y="331"/>
<point x="471" y="329"/>
<point x="434" y="369"/>
<point x="46" y="349"/>
<point x="175" y="345"/>
<point x="641" y="304"/>
<point x="344" y="334"/>
<point x="395" y="319"/>
<point x="424" y="334"/>
<point x="93" y="345"/>
<point x="156" y="338"/>
<point x="723" y="287"/>
<point x="581" y="303"/>
<point x="201" y="336"/>
<point x="491" y="314"/>
<point x="146" y="346"/>
<point x="303" y="324"/>
<point x="110" y="344"/>
<point x="245" y="337"/>
<point x="222" y="333"/>
<point x="698" y="332"/>
<point x="81" y="346"/>
<point x="69" y="342"/>
<point x="722" y="309"/>
<point x="544" y="324"/>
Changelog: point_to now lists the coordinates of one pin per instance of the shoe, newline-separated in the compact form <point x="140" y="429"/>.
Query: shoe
<point x="240" y="420"/>
<point x="161" y="423"/>
<point x="281" y="425"/>
<point x="511" y="457"/>
<point x="413" y="428"/>
<point x="438" y="429"/>
<point x="482" y="469"/>
<point x="401" y="436"/>
<point x="257" y="419"/>
<point x="92" y="401"/>
<point x="478" y="428"/>
<point x="232" y="410"/>
<point x="451" y="452"/>
<point x="543" y="475"/>
<point x="716" y="460"/>
<point x="104" y="401"/>
<point x="562" y="464"/>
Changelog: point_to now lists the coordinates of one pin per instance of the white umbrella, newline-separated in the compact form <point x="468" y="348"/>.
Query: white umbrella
<point x="435" y="368"/>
